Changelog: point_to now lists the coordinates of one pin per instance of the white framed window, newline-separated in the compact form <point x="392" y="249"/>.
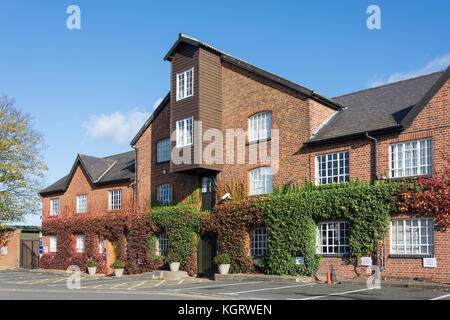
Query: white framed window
<point x="115" y="199"/>
<point x="258" y="242"/>
<point x="185" y="84"/>
<point x="260" y="126"/>
<point x="80" y="243"/>
<point x="163" y="150"/>
<point x="261" y="181"/>
<point x="163" y="244"/>
<point x="53" y="244"/>
<point x="411" y="158"/>
<point x="100" y="244"/>
<point x="54" y="207"/>
<point x="185" y="132"/>
<point x="333" y="238"/>
<point x="82" y="201"/>
<point x="333" y="168"/>
<point x="165" y="194"/>
<point x="412" y="236"/>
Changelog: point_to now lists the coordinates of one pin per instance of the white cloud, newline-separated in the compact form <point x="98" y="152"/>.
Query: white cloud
<point x="437" y="64"/>
<point x="116" y="127"/>
<point x="157" y="103"/>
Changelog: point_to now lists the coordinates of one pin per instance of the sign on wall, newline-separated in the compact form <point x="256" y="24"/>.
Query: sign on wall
<point x="429" y="263"/>
<point x="366" y="261"/>
<point x="300" y="260"/>
<point x="4" y="251"/>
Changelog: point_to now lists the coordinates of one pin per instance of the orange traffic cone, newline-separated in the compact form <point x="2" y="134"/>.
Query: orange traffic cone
<point x="328" y="278"/>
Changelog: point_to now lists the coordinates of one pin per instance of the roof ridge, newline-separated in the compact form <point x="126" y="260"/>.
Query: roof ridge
<point x="255" y="69"/>
<point x="389" y="84"/>
<point x="118" y="154"/>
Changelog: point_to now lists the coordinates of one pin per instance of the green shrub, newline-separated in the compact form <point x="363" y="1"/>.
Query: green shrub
<point x="172" y="256"/>
<point x="92" y="264"/>
<point x="118" y="265"/>
<point x="223" y="258"/>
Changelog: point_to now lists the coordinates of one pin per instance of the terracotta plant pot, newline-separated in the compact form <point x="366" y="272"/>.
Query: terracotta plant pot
<point x="174" y="266"/>
<point x="224" y="268"/>
<point x="92" y="270"/>
<point x="118" y="273"/>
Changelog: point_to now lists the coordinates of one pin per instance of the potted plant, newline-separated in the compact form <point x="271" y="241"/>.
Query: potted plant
<point x="224" y="262"/>
<point x="118" y="267"/>
<point x="92" y="266"/>
<point x="174" y="261"/>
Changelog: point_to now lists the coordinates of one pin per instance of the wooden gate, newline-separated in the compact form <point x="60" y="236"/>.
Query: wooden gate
<point x="29" y="254"/>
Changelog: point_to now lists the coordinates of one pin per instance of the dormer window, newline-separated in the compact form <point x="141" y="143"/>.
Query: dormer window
<point x="185" y="84"/>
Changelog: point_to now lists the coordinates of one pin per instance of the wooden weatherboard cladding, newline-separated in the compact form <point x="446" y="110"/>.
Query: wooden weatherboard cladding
<point x="206" y="103"/>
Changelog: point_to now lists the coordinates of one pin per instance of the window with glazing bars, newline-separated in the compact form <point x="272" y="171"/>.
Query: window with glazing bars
<point x="185" y="84"/>
<point x="80" y="243"/>
<point x="53" y="243"/>
<point x="82" y="203"/>
<point x="54" y="207"/>
<point x="411" y="158"/>
<point x="412" y="236"/>
<point x="333" y="168"/>
<point x="258" y="242"/>
<point x="261" y="181"/>
<point x="260" y="126"/>
<point x="163" y="150"/>
<point x="333" y="238"/>
<point x="165" y="194"/>
<point x="185" y="132"/>
<point x="163" y="244"/>
<point x="115" y="199"/>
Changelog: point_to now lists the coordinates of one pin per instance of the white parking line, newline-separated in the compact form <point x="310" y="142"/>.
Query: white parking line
<point x="335" y="294"/>
<point x="441" y="297"/>
<point x="267" y="289"/>
<point x="137" y="285"/>
<point x="214" y="286"/>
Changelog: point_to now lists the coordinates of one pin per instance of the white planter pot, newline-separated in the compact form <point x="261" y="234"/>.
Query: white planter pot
<point x="224" y="268"/>
<point x="174" y="266"/>
<point x="92" y="270"/>
<point x="118" y="273"/>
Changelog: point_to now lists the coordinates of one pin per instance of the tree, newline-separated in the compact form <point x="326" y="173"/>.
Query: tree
<point x="21" y="167"/>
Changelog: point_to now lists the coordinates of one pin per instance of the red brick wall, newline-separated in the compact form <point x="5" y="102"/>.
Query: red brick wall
<point x="11" y="240"/>
<point x="245" y="94"/>
<point x="431" y="122"/>
<point x="150" y="173"/>
<point x="98" y="197"/>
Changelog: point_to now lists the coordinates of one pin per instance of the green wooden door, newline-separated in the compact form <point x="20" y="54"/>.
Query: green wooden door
<point x="207" y="249"/>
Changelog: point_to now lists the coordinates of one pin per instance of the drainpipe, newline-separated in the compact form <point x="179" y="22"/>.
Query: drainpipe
<point x="376" y="153"/>
<point x="383" y="262"/>
<point x="135" y="176"/>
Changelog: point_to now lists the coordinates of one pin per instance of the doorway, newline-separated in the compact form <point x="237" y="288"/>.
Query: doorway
<point x="208" y="190"/>
<point x="207" y="250"/>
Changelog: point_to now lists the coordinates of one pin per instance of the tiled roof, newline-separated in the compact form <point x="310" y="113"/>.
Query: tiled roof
<point x="380" y="108"/>
<point x="115" y="168"/>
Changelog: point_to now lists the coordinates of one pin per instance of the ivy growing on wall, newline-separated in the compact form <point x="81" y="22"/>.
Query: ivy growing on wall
<point x="182" y="225"/>
<point x="290" y="217"/>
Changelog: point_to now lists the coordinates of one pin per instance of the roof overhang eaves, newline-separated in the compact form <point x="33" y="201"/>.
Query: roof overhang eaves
<point x="356" y="135"/>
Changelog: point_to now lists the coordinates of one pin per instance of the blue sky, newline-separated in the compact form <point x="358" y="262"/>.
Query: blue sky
<point x="109" y="75"/>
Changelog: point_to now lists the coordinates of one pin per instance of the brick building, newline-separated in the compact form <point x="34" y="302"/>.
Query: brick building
<point x="94" y="187"/>
<point x="222" y="113"/>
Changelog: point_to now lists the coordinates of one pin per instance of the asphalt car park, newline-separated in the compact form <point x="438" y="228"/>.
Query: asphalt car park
<point x="24" y="284"/>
